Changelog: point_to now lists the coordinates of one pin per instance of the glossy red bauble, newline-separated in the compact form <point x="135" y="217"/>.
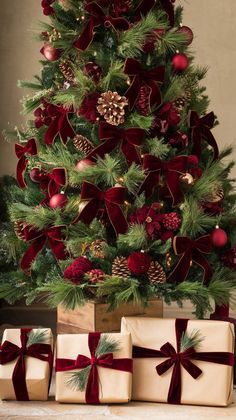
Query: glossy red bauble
<point x="188" y="34"/>
<point x="35" y="175"/>
<point x="180" y="62"/>
<point x="50" y="53"/>
<point x="219" y="237"/>
<point x="58" y="201"/>
<point x="83" y="164"/>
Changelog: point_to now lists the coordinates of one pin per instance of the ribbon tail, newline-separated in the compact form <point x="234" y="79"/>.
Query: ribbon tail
<point x="174" y="394"/>
<point x="155" y="95"/>
<point x="144" y="7"/>
<point x="199" y="259"/>
<point x="133" y="91"/>
<point x="19" y="381"/>
<point x="173" y="184"/>
<point x="210" y="139"/>
<point x="196" y="140"/>
<point x="65" y="129"/>
<point x="51" y="132"/>
<point x="131" y="153"/>
<point x="117" y="218"/>
<point x="150" y="182"/>
<point x="31" y="253"/>
<point x="181" y="269"/>
<point x="169" y="9"/>
<point x="58" y="249"/>
<point x="86" y="36"/>
<point x="92" y="389"/>
<point x="106" y="147"/>
<point x="89" y="212"/>
<point x="20" y="170"/>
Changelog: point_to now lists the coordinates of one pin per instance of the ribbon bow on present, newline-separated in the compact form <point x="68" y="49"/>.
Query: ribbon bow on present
<point x="201" y="130"/>
<point x="172" y="170"/>
<point x="113" y="198"/>
<point x="38" y="239"/>
<point x="129" y="139"/>
<point x="98" y="18"/>
<point x="191" y="251"/>
<point x="10" y="352"/>
<point x="150" y="78"/>
<point x="51" y="181"/>
<point x="105" y="360"/>
<point x="60" y="125"/>
<point x="21" y="151"/>
<point x="176" y="359"/>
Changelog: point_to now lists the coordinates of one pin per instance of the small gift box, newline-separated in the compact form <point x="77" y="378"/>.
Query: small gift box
<point x="26" y="359"/>
<point x="181" y="361"/>
<point x="94" y="368"/>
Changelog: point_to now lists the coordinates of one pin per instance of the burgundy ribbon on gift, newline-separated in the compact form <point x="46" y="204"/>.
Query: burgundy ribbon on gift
<point x="113" y="198"/>
<point x="191" y="251"/>
<point x="60" y="125"/>
<point x="129" y="139"/>
<point x="10" y="352"/>
<point x="52" y="182"/>
<point x="98" y="18"/>
<point x="151" y="78"/>
<point x="39" y="238"/>
<point x="105" y="360"/>
<point x="201" y="130"/>
<point x="21" y="151"/>
<point x="171" y="170"/>
<point x="176" y="359"/>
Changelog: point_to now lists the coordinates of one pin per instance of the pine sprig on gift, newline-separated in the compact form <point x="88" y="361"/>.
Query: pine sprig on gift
<point x="192" y="340"/>
<point x="107" y="344"/>
<point x="37" y="337"/>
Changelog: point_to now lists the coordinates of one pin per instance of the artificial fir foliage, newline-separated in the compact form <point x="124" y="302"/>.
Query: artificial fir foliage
<point x="120" y="180"/>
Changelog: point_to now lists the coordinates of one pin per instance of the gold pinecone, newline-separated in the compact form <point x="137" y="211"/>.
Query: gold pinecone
<point x="156" y="273"/>
<point x="120" y="267"/>
<point x="82" y="144"/>
<point x="65" y="4"/>
<point x="19" y="229"/>
<point x="97" y="248"/>
<point x="111" y="105"/>
<point x="181" y="102"/>
<point x="216" y="195"/>
<point x="67" y="71"/>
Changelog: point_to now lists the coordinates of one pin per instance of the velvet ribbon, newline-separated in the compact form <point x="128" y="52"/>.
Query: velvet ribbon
<point x="152" y="78"/>
<point x="169" y="9"/>
<point x="191" y="251"/>
<point x="38" y="239"/>
<point x="130" y="139"/>
<point x="105" y="360"/>
<point x="144" y="7"/>
<point x="113" y="198"/>
<point x="98" y="18"/>
<point x="222" y="313"/>
<point x="60" y="125"/>
<point x="21" y="151"/>
<point x="10" y="352"/>
<point x="51" y="181"/>
<point x="171" y="170"/>
<point x="201" y="130"/>
<point x="177" y="359"/>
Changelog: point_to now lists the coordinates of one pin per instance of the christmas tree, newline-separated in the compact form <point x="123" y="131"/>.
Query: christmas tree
<point x="122" y="191"/>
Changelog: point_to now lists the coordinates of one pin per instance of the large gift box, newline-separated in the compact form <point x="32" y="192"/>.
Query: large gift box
<point x="94" y="368"/>
<point x="181" y="361"/>
<point x="26" y="359"/>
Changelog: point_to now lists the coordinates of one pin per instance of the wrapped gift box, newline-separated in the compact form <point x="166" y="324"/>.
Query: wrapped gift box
<point x="26" y="358"/>
<point x="163" y="372"/>
<point x="107" y="374"/>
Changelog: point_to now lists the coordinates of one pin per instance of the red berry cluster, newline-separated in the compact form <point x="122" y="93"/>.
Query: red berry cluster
<point x="47" y="8"/>
<point x="77" y="269"/>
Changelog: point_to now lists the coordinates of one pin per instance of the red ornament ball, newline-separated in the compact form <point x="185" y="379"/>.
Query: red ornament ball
<point x="180" y="62"/>
<point x="219" y="237"/>
<point x="35" y="175"/>
<point x="77" y="269"/>
<point x="50" y="53"/>
<point x="188" y="34"/>
<point x="58" y="201"/>
<point x="139" y="263"/>
<point x="83" y="164"/>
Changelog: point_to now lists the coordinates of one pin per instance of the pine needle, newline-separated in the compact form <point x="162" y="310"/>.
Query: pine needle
<point x="191" y="341"/>
<point x="77" y="381"/>
<point x="37" y="337"/>
<point x="107" y="344"/>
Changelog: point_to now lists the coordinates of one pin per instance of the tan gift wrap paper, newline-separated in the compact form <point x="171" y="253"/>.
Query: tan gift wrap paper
<point x="37" y="371"/>
<point x="213" y="387"/>
<point x="114" y="385"/>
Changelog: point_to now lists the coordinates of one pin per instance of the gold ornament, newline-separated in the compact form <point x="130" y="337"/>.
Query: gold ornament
<point x="19" y="229"/>
<point x="111" y="106"/>
<point x="97" y="248"/>
<point x="82" y="144"/>
<point x="187" y="179"/>
<point x="67" y="71"/>
<point x="156" y="273"/>
<point x="120" y="267"/>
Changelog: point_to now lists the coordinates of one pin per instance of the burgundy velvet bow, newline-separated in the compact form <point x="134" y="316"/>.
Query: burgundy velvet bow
<point x="51" y="181"/>
<point x="171" y="170"/>
<point x="129" y="139"/>
<point x="98" y="18"/>
<point x="21" y="151"/>
<point x="105" y="360"/>
<point x="201" y="130"/>
<point x="113" y="198"/>
<point x="191" y="251"/>
<point x="144" y="7"/>
<point x="10" y="352"/>
<point x="169" y="9"/>
<point x="176" y="359"/>
<point x="60" y="125"/>
<point x="39" y="238"/>
<point x="151" y="78"/>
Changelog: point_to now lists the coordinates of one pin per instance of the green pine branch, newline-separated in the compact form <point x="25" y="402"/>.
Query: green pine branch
<point x="37" y="337"/>
<point x="135" y="239"/>
<point x="192" y="340"/>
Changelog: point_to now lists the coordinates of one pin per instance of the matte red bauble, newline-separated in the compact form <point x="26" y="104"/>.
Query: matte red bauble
<point x="58" y="201"/>
<point x="138" y="263"/>
<point x="83" y="164"/>
<point x="188" y="34"/>
<point x="180" y="62"/>
<point x="219" y="237"/>
<point x="50" y="53"/>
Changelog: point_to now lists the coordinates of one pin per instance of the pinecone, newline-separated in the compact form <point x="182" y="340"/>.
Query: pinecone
<point x="67" y="71"/>
<point x="97" y="248"/>
<point x="82" y="144"/>
<point x="95" y="276"/>
<point x="111" y="105"/>
<point x="143" y="103"/>
<point x="181" y="102"/>
<point x="19" y="229"/>
<point x="171" y="221"/>
<point x="216" y="195"/>
<point x="120" y="267"/>
<point x="156" y="273"/>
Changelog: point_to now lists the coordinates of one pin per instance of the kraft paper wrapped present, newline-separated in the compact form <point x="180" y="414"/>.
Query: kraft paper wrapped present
<point x="94" y="368"/>
<point x="26" y="359"/>
<point x="181" y="361"/>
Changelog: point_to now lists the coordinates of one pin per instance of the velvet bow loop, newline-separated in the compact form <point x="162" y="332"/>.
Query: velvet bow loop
<point x="60" y="125"/>
<point x="144" y="7"/>
<point x="201" y="130"/>
<point x="30" y="148"/>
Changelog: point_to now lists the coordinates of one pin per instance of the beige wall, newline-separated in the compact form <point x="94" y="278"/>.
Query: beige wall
<point x="214" y="25"/>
